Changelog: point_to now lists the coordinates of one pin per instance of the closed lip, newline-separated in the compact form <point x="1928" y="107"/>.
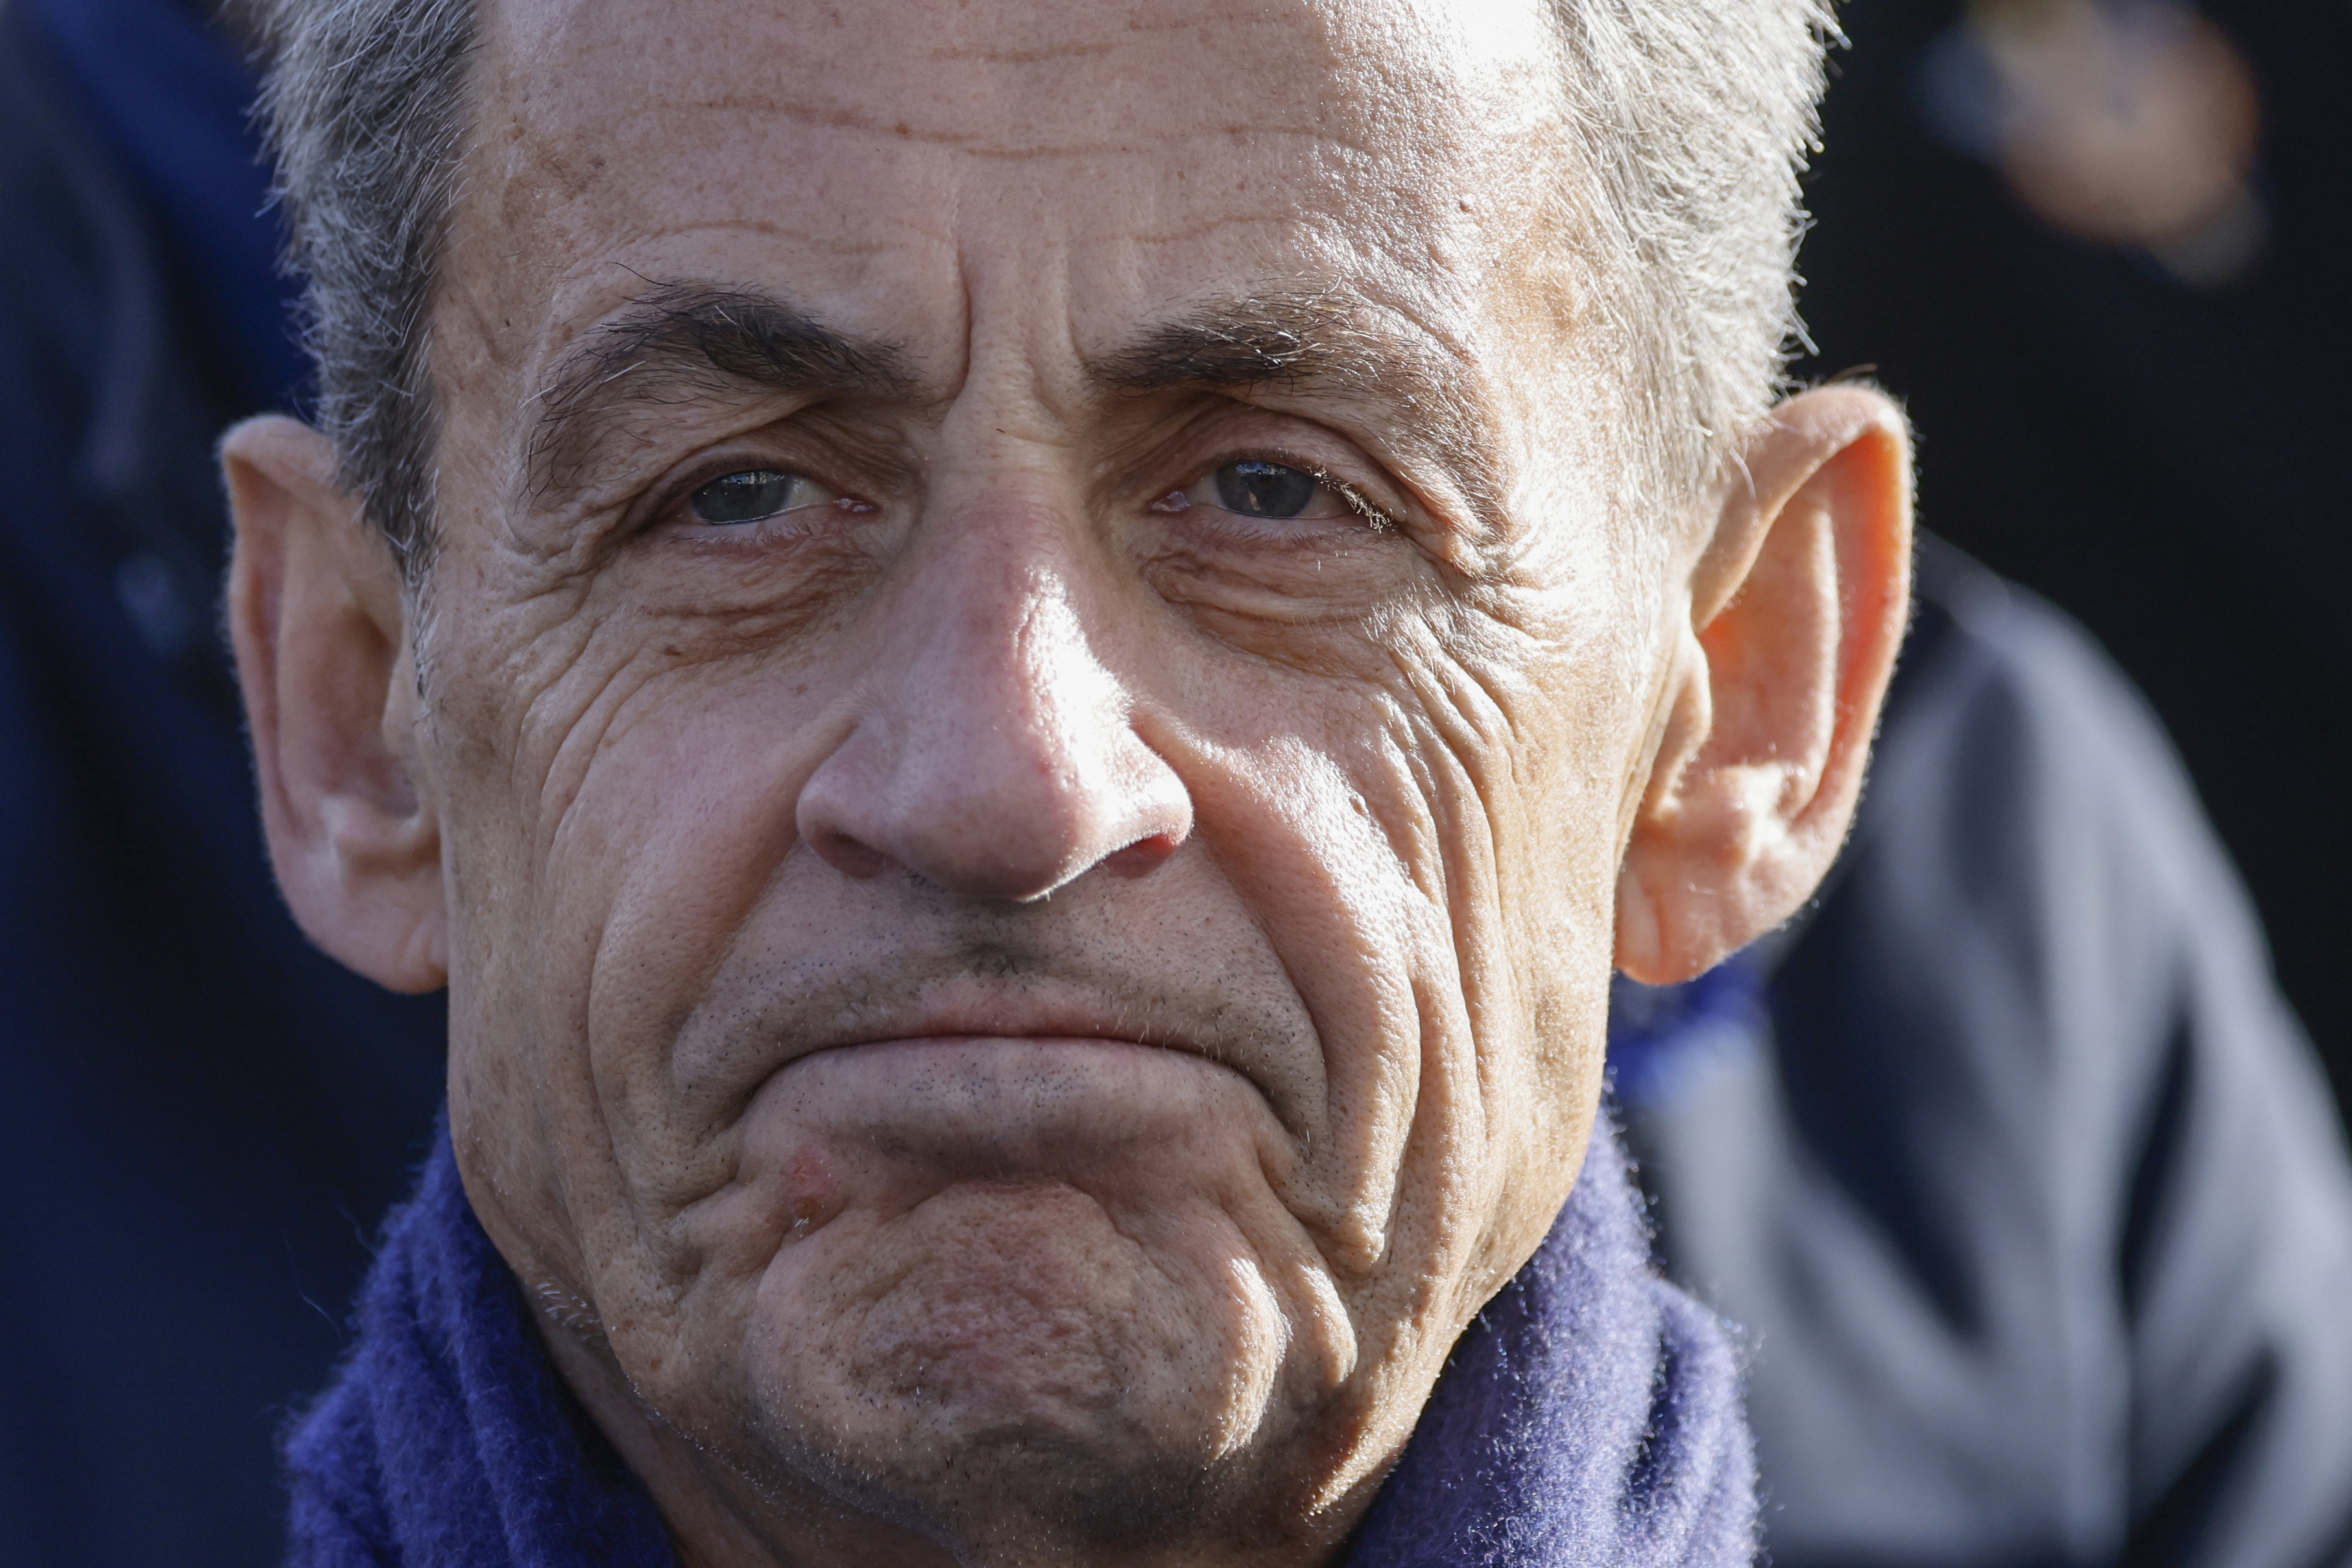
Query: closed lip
<point x="952" y="1026"/>
<point x="970" y="1019"/>
<point x="730" y="1048"/>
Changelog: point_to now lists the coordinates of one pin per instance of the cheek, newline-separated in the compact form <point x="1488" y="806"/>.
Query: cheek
<point x="1497" y="781"/>
<point x="1295" y="832"/>
<point x="625" y="774"/>
<point x="613" y="820"/>
<point x="667" y="855"/>
<point x="1531" y="735"/>
<point x="1482" y="796"/>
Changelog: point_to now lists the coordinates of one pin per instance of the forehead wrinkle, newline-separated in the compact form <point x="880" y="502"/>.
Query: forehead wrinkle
<point x="683" y="342"/>
<point x="1326" y="341"/>
<point x="994" y="142"/>
<point x="641" y="236"/>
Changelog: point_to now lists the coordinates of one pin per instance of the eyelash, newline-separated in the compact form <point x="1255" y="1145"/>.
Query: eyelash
<point x="1382" y="523"/>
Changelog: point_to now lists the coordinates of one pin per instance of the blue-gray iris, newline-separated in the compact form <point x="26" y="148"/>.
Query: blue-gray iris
<point x="1259" y="489"/>
<point x="744" y="497"/>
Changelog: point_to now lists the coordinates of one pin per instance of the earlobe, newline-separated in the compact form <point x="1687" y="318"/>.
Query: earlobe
<point x="1798" y="610"/>
<point x="318" y="617"/>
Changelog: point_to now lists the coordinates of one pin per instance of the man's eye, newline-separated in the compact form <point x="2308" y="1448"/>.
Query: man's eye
<point x="1257" y="489"/>
<point x="755" y="494"/>
<point x="1254" y="487"/>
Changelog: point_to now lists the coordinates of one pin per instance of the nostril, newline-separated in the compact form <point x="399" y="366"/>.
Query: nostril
<point x="847" y="855"/>
<point x="1143" y="855"/>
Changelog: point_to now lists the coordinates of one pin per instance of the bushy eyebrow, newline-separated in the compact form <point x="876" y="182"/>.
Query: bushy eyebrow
<point x="1323" y="341"/>
<point x="690" y="343"/>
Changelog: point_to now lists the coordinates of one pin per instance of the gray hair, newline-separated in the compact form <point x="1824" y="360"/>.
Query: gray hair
<point x="366" y="109"/>
<point x="1691" y="122"/>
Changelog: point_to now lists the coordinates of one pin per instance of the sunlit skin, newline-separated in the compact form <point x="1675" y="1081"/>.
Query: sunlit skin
<point x="1042" y="711"/>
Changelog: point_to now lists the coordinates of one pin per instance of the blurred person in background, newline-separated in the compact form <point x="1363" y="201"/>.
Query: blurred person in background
<point x="201" y="1117"/>
<point x="2100" y="247"/>
<point x="2006" y="1152"/>
<point x="2010" y="1156"/>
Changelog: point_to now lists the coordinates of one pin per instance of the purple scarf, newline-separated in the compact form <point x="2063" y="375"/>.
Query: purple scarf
<point x="1589" y="1417"/>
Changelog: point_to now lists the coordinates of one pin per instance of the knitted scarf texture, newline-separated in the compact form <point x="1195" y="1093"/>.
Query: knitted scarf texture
<point x="1589" y="1417"/>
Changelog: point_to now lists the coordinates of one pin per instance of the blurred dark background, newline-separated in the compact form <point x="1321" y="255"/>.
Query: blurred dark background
<point x="2156" y="439"/>
<point x="201" y="1117"/>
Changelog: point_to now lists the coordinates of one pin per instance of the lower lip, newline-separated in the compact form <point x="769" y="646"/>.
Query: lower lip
<point x="999" y="1094"/>
<point x="1041" y="1050"/>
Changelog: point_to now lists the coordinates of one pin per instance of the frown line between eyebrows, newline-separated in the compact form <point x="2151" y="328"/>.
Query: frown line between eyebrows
<point x="682" y="342"/>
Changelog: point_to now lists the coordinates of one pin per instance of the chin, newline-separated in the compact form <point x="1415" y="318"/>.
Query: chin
<point x="1003" y="1363"/>
<point x="1040" y="1491"/>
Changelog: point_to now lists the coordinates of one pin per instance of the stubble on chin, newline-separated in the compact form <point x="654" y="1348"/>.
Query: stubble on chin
<point x="1015" y="1404"/>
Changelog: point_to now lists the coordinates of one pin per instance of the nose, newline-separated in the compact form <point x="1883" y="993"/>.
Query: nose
<point x="996" y="755"/>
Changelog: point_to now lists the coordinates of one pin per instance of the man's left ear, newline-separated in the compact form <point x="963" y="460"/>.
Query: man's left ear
<point x="1798" y="607"/>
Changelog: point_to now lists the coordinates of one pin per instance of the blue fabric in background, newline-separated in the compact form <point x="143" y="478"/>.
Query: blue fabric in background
<point x="1659" y="1035"/>
<point x="172" y="96"/>
<point x="201" y="1116"/>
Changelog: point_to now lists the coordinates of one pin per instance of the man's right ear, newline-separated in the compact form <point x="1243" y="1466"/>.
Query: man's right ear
<point x="316" y="610"/>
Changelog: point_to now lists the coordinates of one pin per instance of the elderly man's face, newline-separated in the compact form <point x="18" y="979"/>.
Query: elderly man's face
<point x="1032" y="698"/>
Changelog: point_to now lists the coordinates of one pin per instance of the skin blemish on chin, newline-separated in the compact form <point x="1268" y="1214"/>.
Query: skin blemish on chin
<point x="811" y="1192"/>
